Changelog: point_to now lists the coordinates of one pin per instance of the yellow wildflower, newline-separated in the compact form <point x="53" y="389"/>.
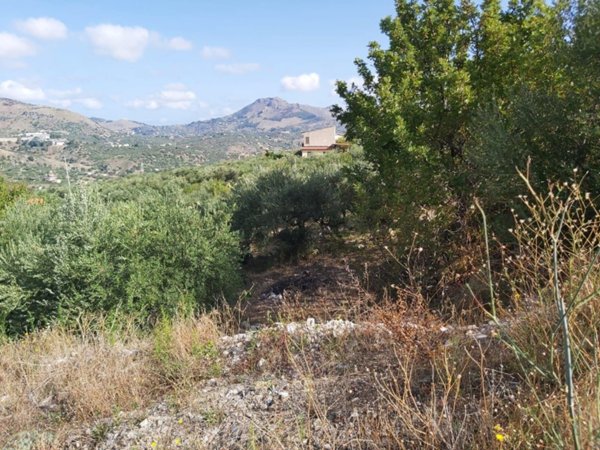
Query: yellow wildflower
<point x="500" y="437"/>
<point x="153" y="444"/>
<point x="177" y="441"/>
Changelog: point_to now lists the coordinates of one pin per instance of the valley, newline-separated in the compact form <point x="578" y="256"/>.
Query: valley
<point x="39" y="144"/>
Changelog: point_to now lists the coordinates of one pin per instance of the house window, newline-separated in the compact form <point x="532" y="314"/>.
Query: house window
<point x="306" y="140"/>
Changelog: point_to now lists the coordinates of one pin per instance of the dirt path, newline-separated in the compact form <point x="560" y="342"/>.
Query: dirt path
<point x="322" y="287"/>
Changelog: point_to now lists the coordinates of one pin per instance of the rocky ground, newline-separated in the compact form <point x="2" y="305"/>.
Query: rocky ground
<point x="267" y="407"/>
<point x="291" y="376"/>
<point x="328" y="393"/>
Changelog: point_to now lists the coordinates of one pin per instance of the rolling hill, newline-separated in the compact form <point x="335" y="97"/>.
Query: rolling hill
<point x="266" y="115"/>
<point x="17" y="117"/>
<point x="95" y="147"/>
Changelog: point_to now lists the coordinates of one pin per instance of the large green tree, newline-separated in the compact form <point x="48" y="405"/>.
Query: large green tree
<point x="462" y="95"/>
<point x="416" y="94"/>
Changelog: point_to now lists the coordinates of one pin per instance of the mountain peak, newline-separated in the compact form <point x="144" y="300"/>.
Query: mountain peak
<point x="274" y="113"/>
<point x="264" y="104"/>
<point x="271" y="101"/>
<point x="264" y="115"/>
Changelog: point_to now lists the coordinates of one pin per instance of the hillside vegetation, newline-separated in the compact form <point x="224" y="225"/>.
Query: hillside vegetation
<point x="93" y="148"/>
<point x="437" y="286"/>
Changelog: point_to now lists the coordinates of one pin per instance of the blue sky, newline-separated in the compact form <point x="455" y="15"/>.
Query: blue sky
<point x="180" y="60"/>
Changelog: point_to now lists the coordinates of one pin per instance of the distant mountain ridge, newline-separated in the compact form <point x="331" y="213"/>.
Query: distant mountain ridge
<point x="269" y="114"/>
<point x="265" y="115"/>
<point x="99" y="148"/>
<point x="119" y="126"/>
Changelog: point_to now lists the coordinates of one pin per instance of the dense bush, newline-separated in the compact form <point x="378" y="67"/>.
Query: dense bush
<point x="10" y="192"/>
<point x="156" y="255"/>
<point x="283" y="203"/>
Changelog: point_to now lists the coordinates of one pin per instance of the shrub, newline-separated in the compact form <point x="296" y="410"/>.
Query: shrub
<point x="10" y="192"/>
<point x="185" y="350"/>
<point x="441" y="123"/>
<point x="282" y="204"/>
<point x="157" y="255"/>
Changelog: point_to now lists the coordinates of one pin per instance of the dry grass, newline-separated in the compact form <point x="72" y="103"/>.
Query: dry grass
<point x="53" y="376"/>
<point x="508" y="389"/>
<point x="185" y="350"/>
<point x="405" y="378"/>
<point x="413" y="387"/>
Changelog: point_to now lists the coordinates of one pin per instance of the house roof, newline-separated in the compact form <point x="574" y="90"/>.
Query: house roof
<point x="317" y="148"/>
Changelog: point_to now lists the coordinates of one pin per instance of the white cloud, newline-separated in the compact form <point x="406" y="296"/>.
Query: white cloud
<point x="215" y="52"/>
<point x="173" y="96"/>
<point x="238" y="68"/>
<point x="62" y="103"/>
<point x="64" y="99"/>
<point x="89" y="102"/>
<point x="123" y="43"/>
<point x="18" y="91"/>
<point x="130" y="43"/>
<point x="14" y="47"/>
<point x="305" y="82"/>
<point x="220" y="111"/>
<point x="178" y="98"/>
<point x="179" y="44"/>
<point x="175" y="86"/>
<point x="45" y="28"/>
<point x="359" y="82"/>
<point x="66" y="93"/>
<point x="145" y="104"/>
<point x="68" y="97"/>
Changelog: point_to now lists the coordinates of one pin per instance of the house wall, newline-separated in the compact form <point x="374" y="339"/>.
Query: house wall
<point x="324" y="137"/>
<point x="313" y="153"/>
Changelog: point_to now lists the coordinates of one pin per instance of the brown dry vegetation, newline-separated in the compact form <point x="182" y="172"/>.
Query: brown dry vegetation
<point x="403" y="376"/>
<point x="53" y="377"/>
<point x="413" y="386"/>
